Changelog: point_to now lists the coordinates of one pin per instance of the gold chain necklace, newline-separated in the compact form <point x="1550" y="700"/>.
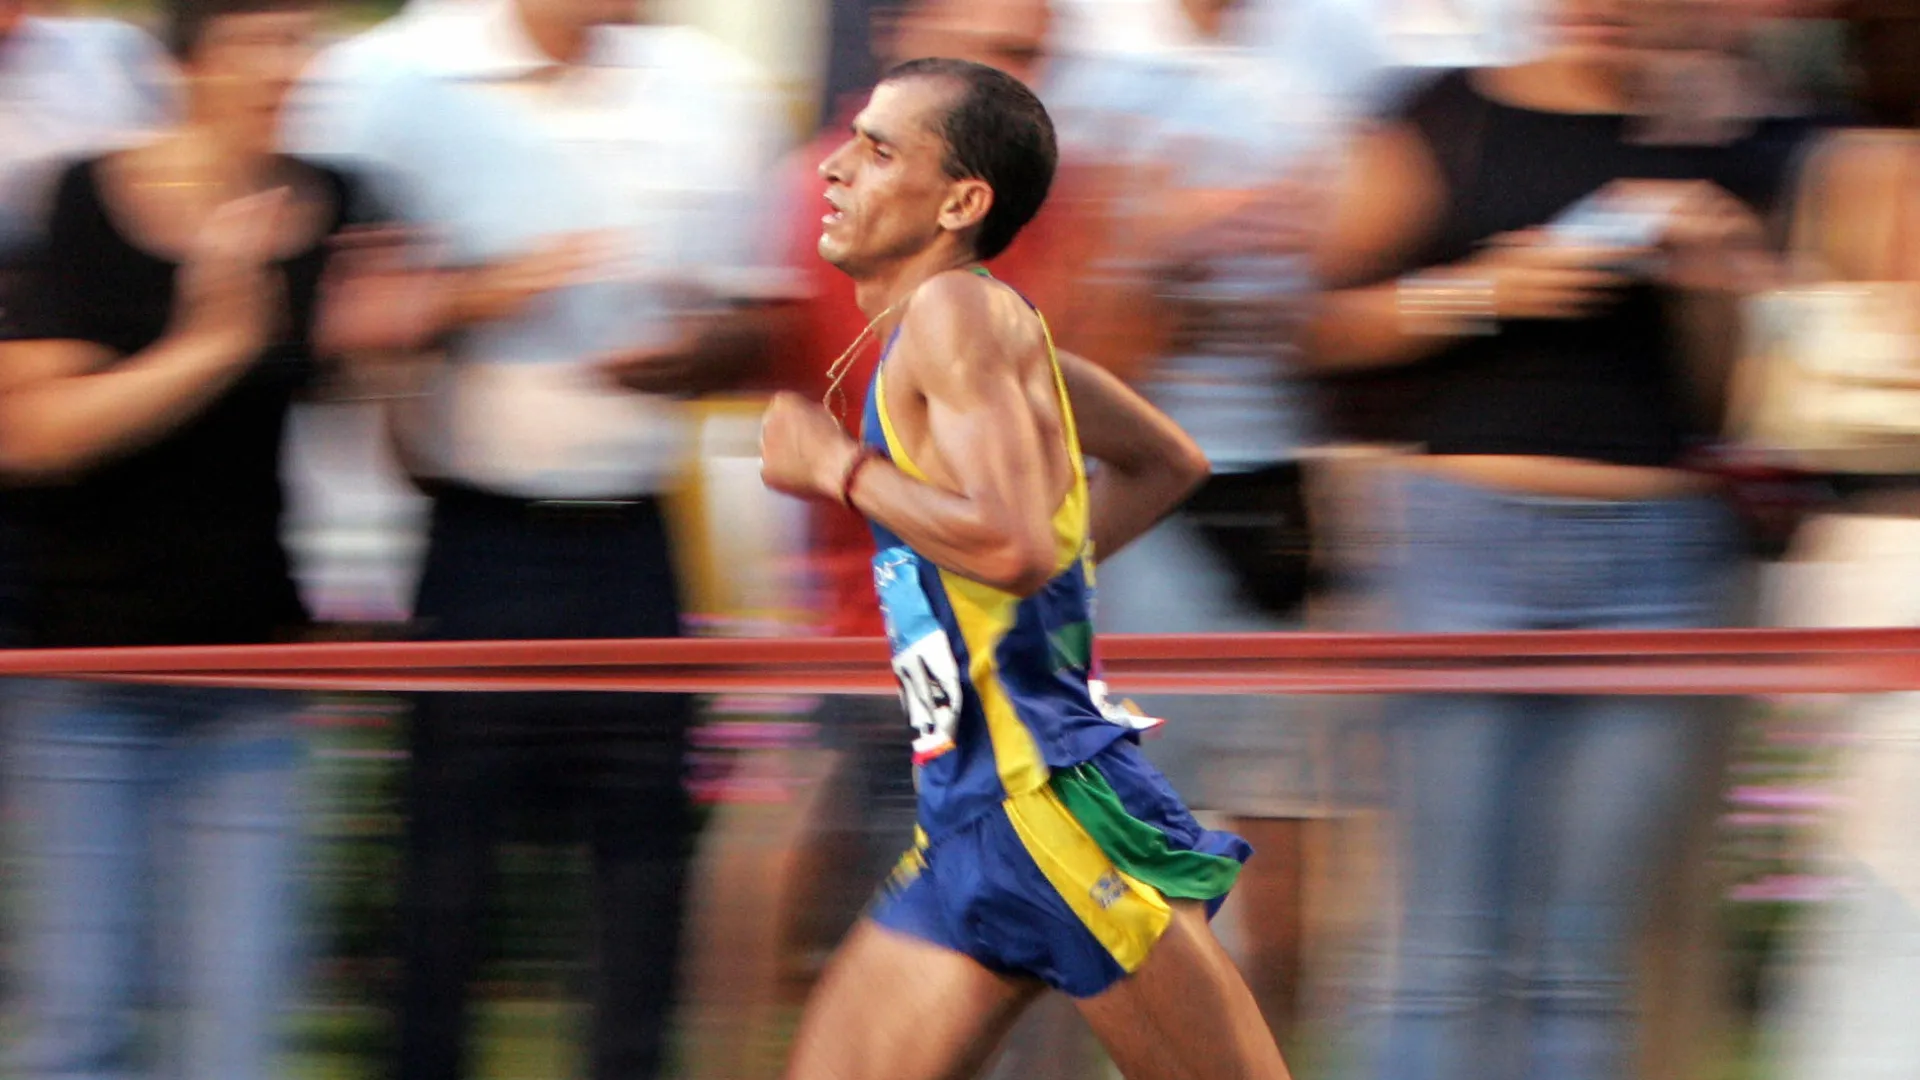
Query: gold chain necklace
<point x="833" y="399"/>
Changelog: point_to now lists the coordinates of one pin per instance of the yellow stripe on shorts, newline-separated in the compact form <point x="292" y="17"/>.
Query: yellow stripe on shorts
<point x="1126" y="915"/>
<point x="912" y="863"/>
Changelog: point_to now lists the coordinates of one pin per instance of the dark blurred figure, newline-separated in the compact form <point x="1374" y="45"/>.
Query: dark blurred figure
<point x="1552" y="413"/>
<point x="1884" y="36"/>
<point x="585" y="189"/>
<point x="67" y="86"/>
<point x="170" y="315"/>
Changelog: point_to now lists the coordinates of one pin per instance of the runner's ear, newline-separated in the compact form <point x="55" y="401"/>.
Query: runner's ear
<point x="967" y="205"/>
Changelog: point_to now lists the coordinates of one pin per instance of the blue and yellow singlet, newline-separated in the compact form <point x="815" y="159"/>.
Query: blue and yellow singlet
<point x="998" y="688"/>
<point x="1047" y="845"/>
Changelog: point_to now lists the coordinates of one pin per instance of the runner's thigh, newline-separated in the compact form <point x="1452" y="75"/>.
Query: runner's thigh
<point x="1186" y="1014"/>
<point x="893" y="1007"/>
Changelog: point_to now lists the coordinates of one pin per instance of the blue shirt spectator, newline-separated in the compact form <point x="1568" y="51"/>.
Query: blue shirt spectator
<point x="68" y="87"/>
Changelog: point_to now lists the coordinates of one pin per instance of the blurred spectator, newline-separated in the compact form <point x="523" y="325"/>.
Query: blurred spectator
<point x="169" y="317"/>
<point x="1337" y="47"/>
<point x="1855" y="959"/>
<point x="1457" y="33"/>
<point x="67" y="86"/>
<point x="1218" y="140"/>
<point x="1549" y="492"/>
<point x="328" y="114"/>
<point x="586" y="187"/>
<point x="356" y="524"/>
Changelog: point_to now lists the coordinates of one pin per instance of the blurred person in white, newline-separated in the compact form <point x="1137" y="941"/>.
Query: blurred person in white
<point x="171" y="311"/>
<point x="328" y="114"/>
<point x="68" y="86"/>
<point x="1338" y="46"/>
<point x="584" y="184"/>
<point x="355" y="522"/>
<point x="1549" y="489"/>
<point x="1216" y="138"/>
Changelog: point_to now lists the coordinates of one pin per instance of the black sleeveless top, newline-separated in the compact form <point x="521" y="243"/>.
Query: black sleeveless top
<point x="1604" y="388"/>
<point x="177" y="542"/>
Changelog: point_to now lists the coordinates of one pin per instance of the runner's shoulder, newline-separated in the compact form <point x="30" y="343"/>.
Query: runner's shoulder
<point x="965" y="318"/>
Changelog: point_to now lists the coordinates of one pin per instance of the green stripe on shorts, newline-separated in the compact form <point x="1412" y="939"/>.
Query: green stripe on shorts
<point x="1139" y="849"/>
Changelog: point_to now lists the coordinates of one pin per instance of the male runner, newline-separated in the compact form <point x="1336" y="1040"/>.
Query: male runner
<point x="1049" y="852"/>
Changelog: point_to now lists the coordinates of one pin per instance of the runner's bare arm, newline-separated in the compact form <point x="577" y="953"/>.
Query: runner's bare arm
<point x="994" y="523"/>
<point x="1147" y="463"/>
<point x="957" y="348"/>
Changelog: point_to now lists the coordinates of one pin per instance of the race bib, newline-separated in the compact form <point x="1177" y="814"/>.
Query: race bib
<point x="1123" y="712"/>
<point x="923" y="660"/>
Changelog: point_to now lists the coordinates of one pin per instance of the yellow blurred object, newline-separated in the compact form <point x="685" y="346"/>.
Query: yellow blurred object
<point x="739" y="544"/>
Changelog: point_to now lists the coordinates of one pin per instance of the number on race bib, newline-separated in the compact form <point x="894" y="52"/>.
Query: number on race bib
<point x="930" y="691"/>
<point x="923" y="660"/>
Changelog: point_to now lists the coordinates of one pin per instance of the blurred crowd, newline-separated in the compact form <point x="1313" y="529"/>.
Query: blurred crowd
<point x="1490" y="315"/>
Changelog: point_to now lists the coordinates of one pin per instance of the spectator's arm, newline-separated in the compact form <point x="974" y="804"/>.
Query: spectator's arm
<point x="66" y="403"/>
<point x="742" y="295"/>
<point x="1391" y="200"/>
<point x="63" y="408"/>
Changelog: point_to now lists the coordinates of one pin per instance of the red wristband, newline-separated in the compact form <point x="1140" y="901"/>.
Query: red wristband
<point x="861" y="457"/>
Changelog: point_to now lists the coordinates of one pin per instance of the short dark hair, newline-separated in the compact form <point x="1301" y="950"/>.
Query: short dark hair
<point x="187" y="20"/>
<point x="996" y="130"/>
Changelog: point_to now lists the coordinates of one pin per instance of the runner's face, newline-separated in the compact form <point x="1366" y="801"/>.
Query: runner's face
<point x="886" y="185"/>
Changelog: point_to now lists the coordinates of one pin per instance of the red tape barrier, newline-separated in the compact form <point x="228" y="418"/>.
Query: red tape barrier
<point x="1690" y="662"/>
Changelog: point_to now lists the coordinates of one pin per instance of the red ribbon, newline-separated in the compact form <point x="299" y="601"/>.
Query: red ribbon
<point x="1690" y="662"/>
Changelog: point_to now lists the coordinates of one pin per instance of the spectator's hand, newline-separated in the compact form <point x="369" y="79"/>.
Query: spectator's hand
<point x="374" y="297"/>
<point x="678" y="368"/>
<point x="703" y="356"/>
<point x="504" y="289"/>
<point x="1715" y="241"/>
<point x="230" y="291"/>
<point x="1532" y="277"/>
<point x="803" y="450"/>
<point x="1705" y="218"/>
